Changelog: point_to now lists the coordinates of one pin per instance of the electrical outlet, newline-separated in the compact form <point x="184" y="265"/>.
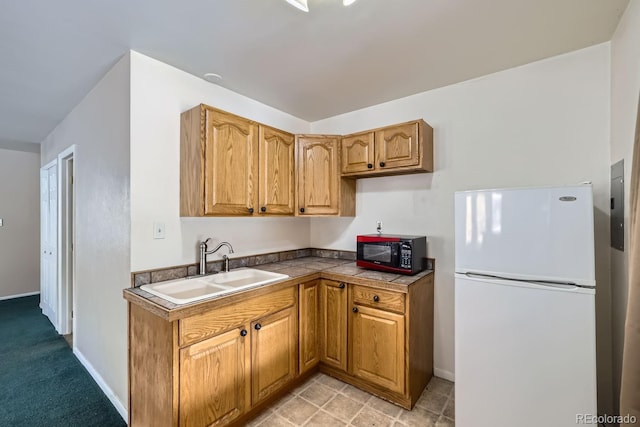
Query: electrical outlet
<point x="158" y="230"/>
<point x="1" y="222"/>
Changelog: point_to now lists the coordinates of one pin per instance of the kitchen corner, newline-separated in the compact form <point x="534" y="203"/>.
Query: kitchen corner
<point x="329" y="316"/>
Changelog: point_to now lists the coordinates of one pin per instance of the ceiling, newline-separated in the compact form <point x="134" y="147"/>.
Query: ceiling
<point x="313" y="65"/>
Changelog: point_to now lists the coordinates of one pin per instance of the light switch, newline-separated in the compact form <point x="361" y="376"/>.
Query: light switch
<point x="158" y="230"/>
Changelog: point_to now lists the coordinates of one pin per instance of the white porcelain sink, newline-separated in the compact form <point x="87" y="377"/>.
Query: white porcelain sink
<point x="183" y="291"/>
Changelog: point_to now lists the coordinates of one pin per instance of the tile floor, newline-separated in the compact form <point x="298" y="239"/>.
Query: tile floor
<point x="327" y="402"/>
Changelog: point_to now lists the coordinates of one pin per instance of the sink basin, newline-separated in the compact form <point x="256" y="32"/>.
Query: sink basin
<point x="197" y="288"/>
<point x="244" y="277"/>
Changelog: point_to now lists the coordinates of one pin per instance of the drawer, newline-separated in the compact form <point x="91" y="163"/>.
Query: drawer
<point x="201" y="326"/>
<point x="378" y="298"/>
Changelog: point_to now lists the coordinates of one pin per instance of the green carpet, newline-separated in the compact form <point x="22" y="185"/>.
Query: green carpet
<point x="41" y="381"/>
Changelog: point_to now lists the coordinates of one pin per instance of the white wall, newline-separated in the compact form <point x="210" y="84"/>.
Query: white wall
<point x="159" y="93"/>
<point x="20" y="212"/>
<point x="625" y="88"/>
<point x="99" y="127"/>
<point x="546" y="123"/>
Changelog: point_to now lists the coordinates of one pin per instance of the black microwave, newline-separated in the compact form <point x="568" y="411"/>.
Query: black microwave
<point x="392" y="253"/>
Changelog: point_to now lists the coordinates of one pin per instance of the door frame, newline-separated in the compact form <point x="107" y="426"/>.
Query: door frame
<point x="66" y="240"/>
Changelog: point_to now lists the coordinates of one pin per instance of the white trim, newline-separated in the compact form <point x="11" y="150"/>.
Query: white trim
<point x="28" y="294"/>
<point x="53" y="162"/>
<point x="447" y="375"/>
<point x="102" y="384"/>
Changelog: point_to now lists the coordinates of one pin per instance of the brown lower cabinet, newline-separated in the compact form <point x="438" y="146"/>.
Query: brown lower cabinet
<point x="333" y="324"/>
<point x="220" y="366"/>
<point x="378" y="339"/>
<point x="309" y="325"/>
<point x="218" y="396"/>
<point x="274" y="353"/>
<point x="209" y="369"/>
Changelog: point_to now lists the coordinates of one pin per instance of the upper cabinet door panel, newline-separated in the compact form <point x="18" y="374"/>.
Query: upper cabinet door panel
<point x="398" y="146"/>
<point x="319" y="176"/>
<point x="231" y="164"/>
<point x="277" y="171"/>
<point x="358" y="153"/>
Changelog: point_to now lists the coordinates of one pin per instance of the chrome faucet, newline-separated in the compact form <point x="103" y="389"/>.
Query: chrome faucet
<point x="204" y="252"/>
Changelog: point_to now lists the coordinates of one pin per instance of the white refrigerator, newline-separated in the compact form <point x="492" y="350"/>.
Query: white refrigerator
<point x="524" y="307"/>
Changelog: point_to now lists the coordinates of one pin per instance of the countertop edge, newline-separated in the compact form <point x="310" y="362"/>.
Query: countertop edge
<point x="132" y="295"/>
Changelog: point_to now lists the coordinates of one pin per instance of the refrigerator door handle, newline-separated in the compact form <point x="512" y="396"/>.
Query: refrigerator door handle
<point x="550" y="283"/>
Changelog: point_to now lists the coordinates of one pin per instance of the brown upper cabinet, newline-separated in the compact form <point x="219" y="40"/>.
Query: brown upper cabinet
<point x="276" y="171"/>
<point x="321" y="189"/>
<point x="232" y="166"/>
<point x="398" y="149"/>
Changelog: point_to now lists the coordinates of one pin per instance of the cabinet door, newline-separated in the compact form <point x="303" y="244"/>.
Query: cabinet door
<point x="377" y="347"/>
<point x="309" y="301"/>
<point x="213" y="377"/>
<point x="318" y="175"/>
<point x="358" y="153"/>
<point x="397" y="146"/>
<point x="277" y="166"/>
<point x="333" y="323"/>
<point x="274" y="352"/>
<point x="231" y="164"/>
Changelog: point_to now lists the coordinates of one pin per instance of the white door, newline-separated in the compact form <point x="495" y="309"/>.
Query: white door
<point x="49" y="241"/>
<point x="527" y="233"/>
<point x="525" y="355"/>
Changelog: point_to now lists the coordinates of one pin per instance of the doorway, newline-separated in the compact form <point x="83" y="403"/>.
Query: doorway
<point x="66" y="260"/>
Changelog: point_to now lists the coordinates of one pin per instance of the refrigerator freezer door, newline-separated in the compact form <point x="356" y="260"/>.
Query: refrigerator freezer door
<point x="524" y="355"/>
<point x="535" y="233"/>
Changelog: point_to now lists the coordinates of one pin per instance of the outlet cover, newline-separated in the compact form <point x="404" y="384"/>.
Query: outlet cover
<point x="158" y="230"/>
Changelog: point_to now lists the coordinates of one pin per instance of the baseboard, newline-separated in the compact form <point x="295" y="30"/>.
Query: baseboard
<point x="102" y="384"/>
<point x="28" y="294"/>
<point x="441" y="373"/>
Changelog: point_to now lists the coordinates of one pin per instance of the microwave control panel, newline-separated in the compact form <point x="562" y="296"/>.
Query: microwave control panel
<point x="405" y="256"/>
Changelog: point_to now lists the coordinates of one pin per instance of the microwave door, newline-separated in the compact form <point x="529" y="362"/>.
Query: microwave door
<point x="377" y="253"/>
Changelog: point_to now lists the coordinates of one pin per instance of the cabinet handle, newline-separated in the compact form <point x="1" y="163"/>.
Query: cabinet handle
<point x="258" y="326"/>
<point x="369" y="165"/>
<point x="250" y="210"/>
<point x="243" y="333"/>
<point x="342" y="285"/>
<point x="263" y="209"/>
<point x="354" y="309"/>
<point x="376" y="298"/>
<point x="301" y="210"/>
<point x="381" y="164"/>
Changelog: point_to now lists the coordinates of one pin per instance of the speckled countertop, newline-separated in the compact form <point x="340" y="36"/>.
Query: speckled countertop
<point x="298" y="270"/>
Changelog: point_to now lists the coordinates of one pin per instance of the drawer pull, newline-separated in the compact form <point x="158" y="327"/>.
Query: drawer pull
<point x="301" y="210"/>
<point x="251" y="210"/>
<point x="376" y="298"/>
<point x="354" y="309"/>
<point x="369" y="166"/>
<point x="243" y="333"/>
<point x="263" y="209"/>
<point x="258" y="326"/>
<point x="342" y="285"/>
<point x="382" y="164"/>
